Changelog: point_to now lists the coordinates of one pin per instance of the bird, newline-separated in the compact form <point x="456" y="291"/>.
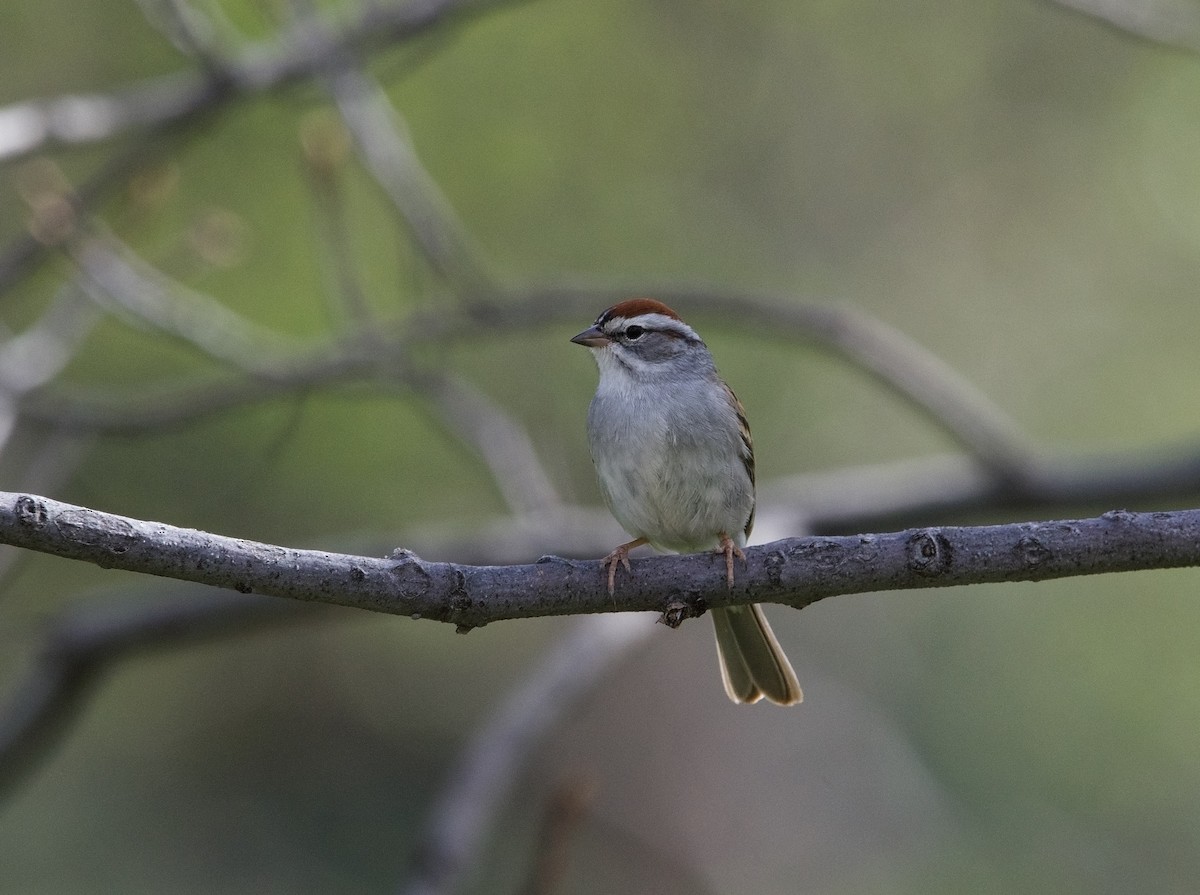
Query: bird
<point x="675" y="463"/>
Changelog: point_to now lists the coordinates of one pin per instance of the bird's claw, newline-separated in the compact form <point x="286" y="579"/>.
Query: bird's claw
<point x="730" y="549"/>
<point x="620" y="555"/>
<point x="610" y="562"/>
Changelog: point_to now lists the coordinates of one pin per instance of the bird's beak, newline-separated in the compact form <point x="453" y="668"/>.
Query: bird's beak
<point x="592" y="337"/>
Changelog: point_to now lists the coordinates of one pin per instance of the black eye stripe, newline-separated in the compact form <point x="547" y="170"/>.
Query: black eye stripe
<point x="616" y="327"/>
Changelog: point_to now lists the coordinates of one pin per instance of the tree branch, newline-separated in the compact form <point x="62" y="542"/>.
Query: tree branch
<point x="793" y="571"/>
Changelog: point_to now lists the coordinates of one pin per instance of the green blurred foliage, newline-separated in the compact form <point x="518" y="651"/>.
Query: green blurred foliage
<point x="1011" y="183"/>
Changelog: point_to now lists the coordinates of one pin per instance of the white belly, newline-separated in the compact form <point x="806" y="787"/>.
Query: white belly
<point x="678" y="487"/>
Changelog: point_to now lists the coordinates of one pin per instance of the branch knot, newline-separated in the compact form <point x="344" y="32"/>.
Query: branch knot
<point x="929" y="552"/>
<point x="1032" y="551"/>
<point x="677" y="612"/>
<point x="31" y="511"/>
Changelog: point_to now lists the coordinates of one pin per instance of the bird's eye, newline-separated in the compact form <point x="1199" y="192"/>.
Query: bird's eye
<point x="634" y="332"/>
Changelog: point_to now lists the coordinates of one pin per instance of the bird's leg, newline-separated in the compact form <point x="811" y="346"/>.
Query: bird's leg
<point x="620" y="555"/>
<point x="730" y="549"/>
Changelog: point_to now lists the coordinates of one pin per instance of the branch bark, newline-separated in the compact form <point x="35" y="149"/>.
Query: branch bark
<point x="793" y="571"/>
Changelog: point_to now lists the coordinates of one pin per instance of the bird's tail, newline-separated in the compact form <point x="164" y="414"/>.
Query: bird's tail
<point x="753" y="664"/>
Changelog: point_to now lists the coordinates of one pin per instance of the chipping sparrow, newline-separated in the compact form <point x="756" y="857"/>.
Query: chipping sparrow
<point x="672" y="451"/>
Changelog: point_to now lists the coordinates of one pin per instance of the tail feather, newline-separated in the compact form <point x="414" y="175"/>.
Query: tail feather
<point x="753" y="664"/>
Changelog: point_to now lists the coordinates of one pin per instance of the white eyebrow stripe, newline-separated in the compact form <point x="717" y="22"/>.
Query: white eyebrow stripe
<point x="651" y="321"/>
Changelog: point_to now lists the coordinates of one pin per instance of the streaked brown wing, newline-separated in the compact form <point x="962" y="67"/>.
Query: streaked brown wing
<point x="747" y="446"/>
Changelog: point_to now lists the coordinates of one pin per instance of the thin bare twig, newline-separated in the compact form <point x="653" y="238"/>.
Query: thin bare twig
<point x="326" y="144"/>
<point x="120" y="281"/>
<point x="387" y="151"/>
<point x="33" y="357"/>
<point x="503" y="445"/>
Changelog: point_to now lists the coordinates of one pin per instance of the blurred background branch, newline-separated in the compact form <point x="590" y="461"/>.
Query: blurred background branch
<point x="301" y="52"/>
<point x="490" y="767"/>
<point x="1175" y="23"/>
<point x="165" y="106"/>
<point x="77" y="648"/>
